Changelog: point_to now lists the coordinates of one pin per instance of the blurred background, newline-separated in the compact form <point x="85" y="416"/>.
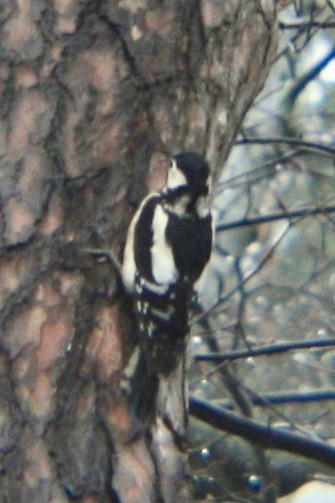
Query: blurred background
<point x="269" y="292"/>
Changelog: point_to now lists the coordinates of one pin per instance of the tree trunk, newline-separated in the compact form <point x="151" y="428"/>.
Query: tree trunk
<point x="93" y="97"/>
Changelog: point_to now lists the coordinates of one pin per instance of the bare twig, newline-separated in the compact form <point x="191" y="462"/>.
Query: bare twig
<point x="109" y="254"/>
<point x="247" y="278"/>
<point x="303" y="25"/>
<point x="303" y="213"/>
<point x="266" y="350"/>
<point x="285" y="398"/>
<point x="304" y="145"/>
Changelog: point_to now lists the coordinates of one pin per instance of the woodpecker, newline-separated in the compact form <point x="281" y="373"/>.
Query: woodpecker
<point x="168" y="245"/>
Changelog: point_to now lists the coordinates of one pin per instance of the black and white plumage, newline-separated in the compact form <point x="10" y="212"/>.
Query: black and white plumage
<point x="168" y="245"/>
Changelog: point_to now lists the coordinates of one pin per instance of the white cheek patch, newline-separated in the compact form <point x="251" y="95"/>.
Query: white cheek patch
<point x="163" y="267"/>
<point x="176" y="177"/>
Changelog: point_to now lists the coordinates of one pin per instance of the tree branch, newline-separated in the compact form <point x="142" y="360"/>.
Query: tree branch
<point x="304" y="25"/>
<point x="304" y="145"/>
<point x="266" y="350"/>
<point x="283" y="398"/>
<point x="303" y="213"/>
<point x="266" y="436"/>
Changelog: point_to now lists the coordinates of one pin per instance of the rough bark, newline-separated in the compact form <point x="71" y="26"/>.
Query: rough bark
<point x="93" y="96"/>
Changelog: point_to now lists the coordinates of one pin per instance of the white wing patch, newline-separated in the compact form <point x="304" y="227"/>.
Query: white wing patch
<point x="164" y="270"/>
<point x="128" y="264"/>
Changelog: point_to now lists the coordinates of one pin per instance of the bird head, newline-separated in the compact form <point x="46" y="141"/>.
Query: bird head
<point x="188" y="171"/>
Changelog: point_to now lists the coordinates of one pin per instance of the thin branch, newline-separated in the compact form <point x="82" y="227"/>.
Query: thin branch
<point x="270" y="438"/>
<point x="252" y="175"/>
<point x="272" y="407"/>
<point x="305" y="145"/>
<point x="305" y="25"/>
<point x="310" y="75"/>
<point x="285" y="398"/>
<point x="256" y="270"/>
<point x="264" y="402"/>
<point x="265" y="350"/>
<point x="330" y="6"/>
<point x="304" y="212"/>
<point x="109" y="254"/>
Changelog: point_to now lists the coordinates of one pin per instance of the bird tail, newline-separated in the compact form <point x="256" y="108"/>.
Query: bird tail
<point x="143" y="391"/>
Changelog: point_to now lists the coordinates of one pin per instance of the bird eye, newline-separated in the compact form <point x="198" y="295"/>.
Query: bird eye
<point x="171" y="164"/>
